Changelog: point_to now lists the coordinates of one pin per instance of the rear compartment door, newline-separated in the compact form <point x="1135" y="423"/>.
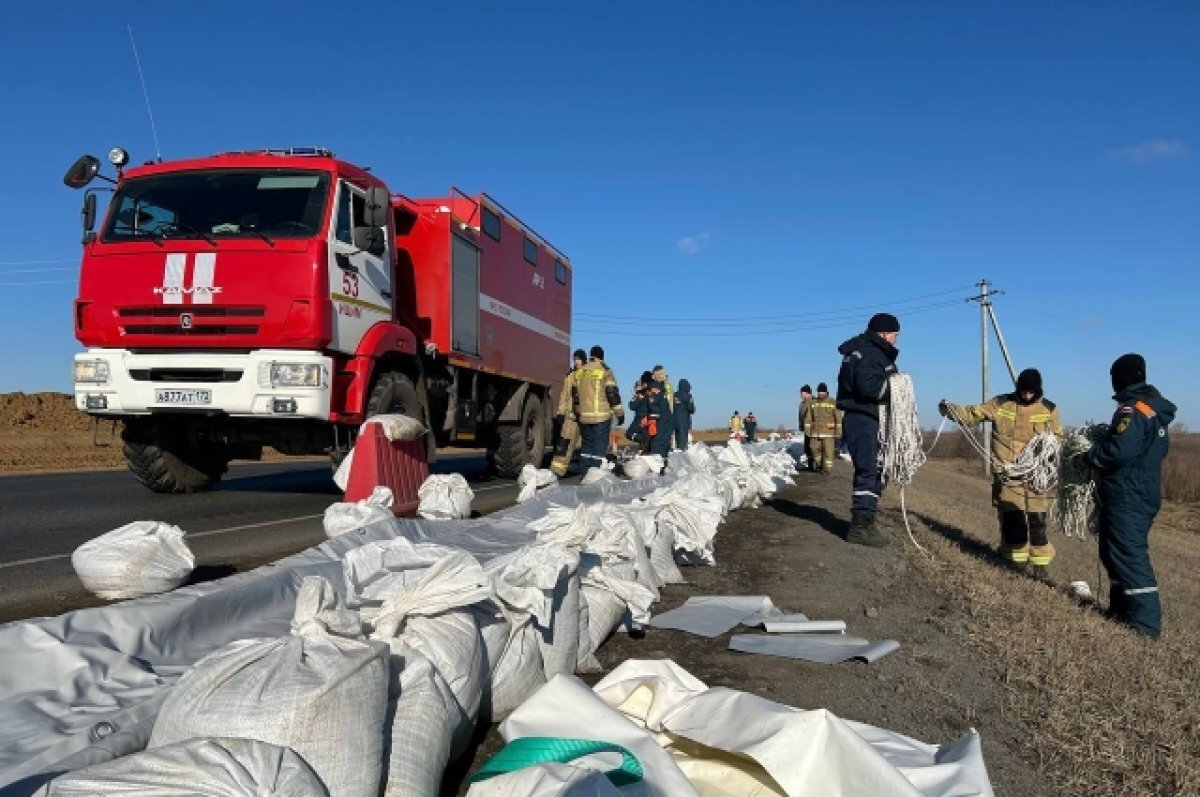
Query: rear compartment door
<point x="464" y="302"/>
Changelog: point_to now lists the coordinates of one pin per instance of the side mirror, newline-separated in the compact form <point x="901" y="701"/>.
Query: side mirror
<point x="378" y="205"/>
<point x="89" y="217"/>
<point x="82" y="172"/>
<point x="370" y="240"/>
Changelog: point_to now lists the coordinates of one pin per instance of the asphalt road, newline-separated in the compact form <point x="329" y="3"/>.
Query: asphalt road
<point x="259" y="513"/>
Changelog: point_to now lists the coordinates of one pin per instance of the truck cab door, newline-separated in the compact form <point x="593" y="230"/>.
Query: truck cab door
<point x="360" y="283"/>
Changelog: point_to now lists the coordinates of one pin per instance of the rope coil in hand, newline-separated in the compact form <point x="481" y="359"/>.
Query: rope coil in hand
<point x="901" y="451"/>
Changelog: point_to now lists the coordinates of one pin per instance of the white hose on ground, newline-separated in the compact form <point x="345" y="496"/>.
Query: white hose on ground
<point x="900" y="441"/>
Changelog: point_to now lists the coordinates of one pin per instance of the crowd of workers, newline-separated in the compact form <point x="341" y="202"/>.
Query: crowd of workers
<point x="591" y="401"/>
<point x="1127" y="459"/>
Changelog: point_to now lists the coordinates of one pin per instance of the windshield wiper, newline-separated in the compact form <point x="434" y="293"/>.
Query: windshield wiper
<point x="162" y="228"/>
<point x="153" y="235"/>
<point x="257" y="233"/>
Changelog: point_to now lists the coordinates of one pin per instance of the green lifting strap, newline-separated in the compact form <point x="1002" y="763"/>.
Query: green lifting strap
<point x="531" y="750"/>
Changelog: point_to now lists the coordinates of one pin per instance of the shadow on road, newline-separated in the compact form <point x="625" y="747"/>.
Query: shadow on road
<point x="317" y="480"/>
<point x="204" y="573"/>
<point x="819" y="515"/>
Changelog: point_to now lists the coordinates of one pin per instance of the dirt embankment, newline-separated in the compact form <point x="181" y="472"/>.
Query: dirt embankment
<point x="44" y="432"/>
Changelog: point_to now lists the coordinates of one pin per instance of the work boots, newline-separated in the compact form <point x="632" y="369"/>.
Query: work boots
<point x="863" y="530"/>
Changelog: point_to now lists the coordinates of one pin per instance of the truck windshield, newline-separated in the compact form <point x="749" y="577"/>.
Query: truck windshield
<point x="228" y="203"/>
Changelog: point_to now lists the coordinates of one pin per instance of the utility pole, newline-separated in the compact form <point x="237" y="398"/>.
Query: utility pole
<point x="984" y="306"/>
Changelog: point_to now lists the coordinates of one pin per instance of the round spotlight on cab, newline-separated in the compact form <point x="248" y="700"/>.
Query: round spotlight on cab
<point x="118" y="157"/>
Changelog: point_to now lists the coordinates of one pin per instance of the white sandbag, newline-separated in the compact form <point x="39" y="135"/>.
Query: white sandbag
<point x="659" y="540"/>
<point x="702" y="457"/>
<point x="344" y="517"/>
<point x="217" y="767"/>
<point x="445" y="497"/>
<point x="547" y="780"/>
<point x="321" y="683"/>
<point x="140" y="558"/>
<point x="611" y="595"/>
<point x="396" y="427"/>
<point x="600" y="474"/>
<point x="532" y="479"/>
<point x="514" y="661"/>
<point x="414" y="598"/>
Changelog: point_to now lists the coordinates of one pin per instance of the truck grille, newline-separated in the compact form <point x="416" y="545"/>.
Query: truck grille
<point x="188" y="320"/>
<point x="184" y="375"/>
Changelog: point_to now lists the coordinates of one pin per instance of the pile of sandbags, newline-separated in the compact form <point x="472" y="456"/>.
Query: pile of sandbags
<point x="386" y="672"/>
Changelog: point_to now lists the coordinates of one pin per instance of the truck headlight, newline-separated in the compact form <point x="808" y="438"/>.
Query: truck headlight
<point x="93" y="372"/>
<point x="292" y="375"/>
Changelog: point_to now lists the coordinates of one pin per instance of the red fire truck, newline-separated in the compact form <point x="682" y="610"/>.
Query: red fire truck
<point x="280" y="297"/>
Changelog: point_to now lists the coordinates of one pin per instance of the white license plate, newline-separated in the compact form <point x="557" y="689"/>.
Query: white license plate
<point x="183" y="397"/>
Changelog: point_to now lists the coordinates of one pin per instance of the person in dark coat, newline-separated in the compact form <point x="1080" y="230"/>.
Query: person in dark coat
<point x="751" y="427"/>
<point x="636" y="432"/>
<point x="685" y="408"/>
<point x="660" y="419"/>
<point x="1128" y="461"/>
<point x="867" y="362"/>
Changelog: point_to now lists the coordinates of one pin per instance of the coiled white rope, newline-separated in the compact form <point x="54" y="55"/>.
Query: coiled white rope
<point x="901" y="451"/>
<point x="1077" y="505"/>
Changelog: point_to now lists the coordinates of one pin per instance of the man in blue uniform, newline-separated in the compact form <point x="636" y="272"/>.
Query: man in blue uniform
<point x="867" y="362"/>
<point x="1128" y="460"/>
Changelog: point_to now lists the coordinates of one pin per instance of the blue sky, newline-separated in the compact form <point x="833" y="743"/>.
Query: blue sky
<point x="738" y="189"/>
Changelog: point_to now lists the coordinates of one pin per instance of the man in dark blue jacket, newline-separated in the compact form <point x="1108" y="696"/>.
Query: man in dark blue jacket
<point x="1129" y="485"/>
<point x="685" y="408"/>
<point x="867" y="362"/>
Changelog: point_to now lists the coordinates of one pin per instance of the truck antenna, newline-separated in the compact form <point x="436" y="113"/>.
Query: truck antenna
<point x="145" y="94"/>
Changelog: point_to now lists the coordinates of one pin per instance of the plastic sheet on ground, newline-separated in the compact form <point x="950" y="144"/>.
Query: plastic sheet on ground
<point x="547" y="780"/>
<point x="713" y="615"/>
<point x="140" y="558"/>
<point x="821" y="648"/>
<point x="216" y="767"/>
<point x="692" y="740"/>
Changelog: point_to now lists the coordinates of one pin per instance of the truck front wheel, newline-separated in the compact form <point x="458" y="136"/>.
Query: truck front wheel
<point x="166" y="462"/>
<point x="520" y="444"/>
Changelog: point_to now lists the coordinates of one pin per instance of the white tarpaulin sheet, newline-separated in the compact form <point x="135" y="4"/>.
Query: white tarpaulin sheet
<point x="692" y="740"/>
<point x="819" y="648"/>
<point x="713" y="615"/>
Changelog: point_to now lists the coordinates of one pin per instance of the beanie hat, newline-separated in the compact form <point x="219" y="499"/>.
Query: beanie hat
<point x="598" y="352"/>
<point x="646" y="378"/>
<point x="883" y="322"/>
<point x="822" y="388"/>
<point x="1128" y="369"/>
<point x="579" y="354"/>
<point x="1030" y="380"/>
<point x="806" y="389"/>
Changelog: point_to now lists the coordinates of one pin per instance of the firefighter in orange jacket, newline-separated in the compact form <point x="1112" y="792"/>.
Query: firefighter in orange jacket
<point x="823" y="426"/>
<point x="1016" y="417"/>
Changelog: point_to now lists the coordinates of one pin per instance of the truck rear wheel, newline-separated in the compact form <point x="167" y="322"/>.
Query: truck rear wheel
<point x="519" y="444"/>
<point x="166" y="462"/>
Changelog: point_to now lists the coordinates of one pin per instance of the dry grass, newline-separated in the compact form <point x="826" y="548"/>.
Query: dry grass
<point x="1180" y="474"/>
<point x="1181" y="471"/>
<point x="1110" y="713"/>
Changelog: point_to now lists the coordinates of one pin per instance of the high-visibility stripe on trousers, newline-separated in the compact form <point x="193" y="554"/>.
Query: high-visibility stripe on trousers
<point x="861" y="433"/>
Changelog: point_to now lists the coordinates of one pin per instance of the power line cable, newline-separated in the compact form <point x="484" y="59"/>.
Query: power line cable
<point x="640" y="329"/>
<point x="777" y="317"/>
